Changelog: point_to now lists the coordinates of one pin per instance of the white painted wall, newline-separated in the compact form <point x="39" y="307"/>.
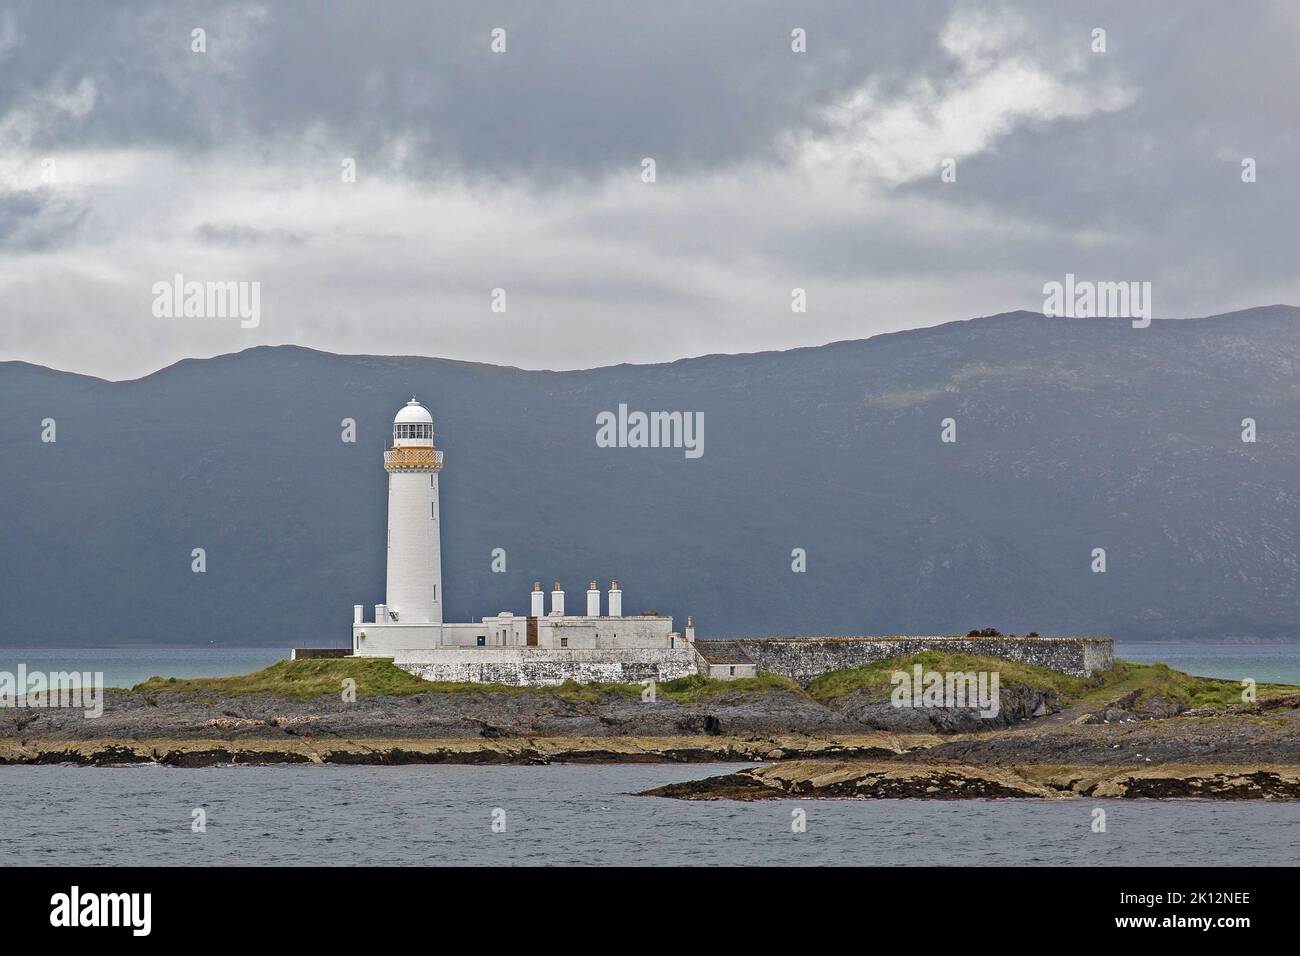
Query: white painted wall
<point x="542" y="666"/>
<point x="510" y="630"/>
<point x="414" y="551"/>
<point x="732" y="671"/>
<point x="605" y="632"/>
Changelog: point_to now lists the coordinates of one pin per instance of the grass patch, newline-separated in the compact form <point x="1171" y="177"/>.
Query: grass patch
<point x="694" y="688"/>
<point x="302" y="679"/>
<point x="874" y="677"/>
<point x="1148" y="680"/>
<point x="1161" y="680"/>
<point x="378" y="677"/>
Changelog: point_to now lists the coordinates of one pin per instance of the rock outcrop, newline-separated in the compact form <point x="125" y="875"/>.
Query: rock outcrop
<point x="819" y="779"/>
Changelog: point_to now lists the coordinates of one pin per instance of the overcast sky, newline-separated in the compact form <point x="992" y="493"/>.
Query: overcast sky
<point x="126" y="158"/>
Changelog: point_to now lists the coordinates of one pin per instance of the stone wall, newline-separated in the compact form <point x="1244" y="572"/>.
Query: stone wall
<point x="521" y="666"/>
<point x="804" y="658"/>
<point x="318" y="653"/>
<point x="800" y="658"/>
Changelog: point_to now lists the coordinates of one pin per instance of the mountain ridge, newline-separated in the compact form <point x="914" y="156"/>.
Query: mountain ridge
<point x="1072" y="434"/>
<point x="1250" y="312"/>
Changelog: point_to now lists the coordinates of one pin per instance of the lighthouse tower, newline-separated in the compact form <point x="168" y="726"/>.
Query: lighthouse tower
<point x="414" y="554"/>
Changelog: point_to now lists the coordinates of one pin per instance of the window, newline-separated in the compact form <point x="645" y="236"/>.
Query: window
<point x="564" y="642"/>
<point x="433" y="509"/>
<point x="435" y="594"/>
<point x="411" y="432"/>
<point x="732" y="671"/>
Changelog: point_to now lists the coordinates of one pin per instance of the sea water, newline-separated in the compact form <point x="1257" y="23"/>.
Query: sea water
<point x="584" y="814"/>
<point x="580" y="814"/>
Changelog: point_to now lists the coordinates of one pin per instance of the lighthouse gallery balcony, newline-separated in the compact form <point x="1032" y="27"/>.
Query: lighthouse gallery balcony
<point x="414" y="458"/>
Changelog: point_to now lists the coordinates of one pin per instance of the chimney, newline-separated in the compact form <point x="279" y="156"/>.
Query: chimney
<point x="358" y="611"/>
<point x="557" y="601"/>
<point x="615" y="600"/>
<point x="381" y="613"/>
<point x="690" y="629"/>
<point x="593" y="600"/>
<point x="539" y="600"/>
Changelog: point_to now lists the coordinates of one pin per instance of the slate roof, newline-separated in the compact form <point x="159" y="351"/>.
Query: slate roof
<point x="723" y="652"/>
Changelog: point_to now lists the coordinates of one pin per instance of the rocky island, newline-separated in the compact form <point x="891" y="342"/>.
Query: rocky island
<point x="1137" y="730"/>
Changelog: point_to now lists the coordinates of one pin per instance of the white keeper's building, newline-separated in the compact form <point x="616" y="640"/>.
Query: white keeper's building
<point x="546" y="645"/>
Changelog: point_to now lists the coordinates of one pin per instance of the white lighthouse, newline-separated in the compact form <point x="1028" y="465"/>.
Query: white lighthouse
<point x="414" y="553"/>
<point x="536" y="647"/>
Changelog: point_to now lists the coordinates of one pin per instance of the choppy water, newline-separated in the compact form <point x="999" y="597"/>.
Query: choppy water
<point x="582" y="815"/>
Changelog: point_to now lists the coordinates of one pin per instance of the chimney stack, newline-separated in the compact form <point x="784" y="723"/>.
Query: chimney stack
<point x="539" y="600"/>
<point x="690" y="629"/>
<point x="593" y="600"/>
<point x="615" y="600"/>
<point x="358" y="612"/>
<point x="557" y="601"/>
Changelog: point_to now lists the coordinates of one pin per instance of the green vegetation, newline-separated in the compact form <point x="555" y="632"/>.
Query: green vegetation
<point x="970" y="374"/>
<point x="301" y="679"/>
<point x="377" y="677"/>
<point x="1147" y="680"/>
<point x="903" y="398"/>
<point x="695" y="687"/>
<point x="1161" y="680"/>
<point x="875" y="677"/>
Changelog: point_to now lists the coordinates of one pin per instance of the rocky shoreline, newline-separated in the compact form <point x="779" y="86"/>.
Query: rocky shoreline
<point x="391" y="752"/>
<point x="1140" y="731"/>
<point x="856" y="767"/>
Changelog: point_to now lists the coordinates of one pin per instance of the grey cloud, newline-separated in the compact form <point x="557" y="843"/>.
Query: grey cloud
<point x="520" y="170"/>
<point x="38" y="221"/>
<point x="583" y="87"/>
<point x="236" y="234"/>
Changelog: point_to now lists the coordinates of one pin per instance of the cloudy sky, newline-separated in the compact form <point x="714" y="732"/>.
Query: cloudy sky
<point x="126" y="158"/>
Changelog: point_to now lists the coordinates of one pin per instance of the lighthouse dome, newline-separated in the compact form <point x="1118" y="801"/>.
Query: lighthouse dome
<point x="412" y="413"/>
<point x="413" y="425"/>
